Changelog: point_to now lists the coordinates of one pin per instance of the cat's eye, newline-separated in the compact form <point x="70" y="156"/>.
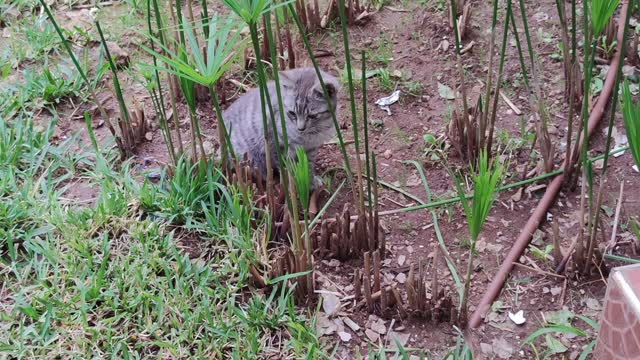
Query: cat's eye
<point x="291" y="115"/>
<point x="312" y="116"/>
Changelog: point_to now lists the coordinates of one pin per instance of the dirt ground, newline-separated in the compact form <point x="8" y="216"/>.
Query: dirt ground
<point x="419" y="41"/>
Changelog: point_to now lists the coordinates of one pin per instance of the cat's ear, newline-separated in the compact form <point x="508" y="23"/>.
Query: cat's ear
<point x="331" y="90"/>
<point x="286" y="81"/>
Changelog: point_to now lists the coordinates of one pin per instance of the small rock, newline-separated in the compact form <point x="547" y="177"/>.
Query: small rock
<point x="556" y="290"/>
<point x="401" y="278"/>
<point x="401" y="260"/>
<point x="148" y="136"/>
<point x="387" y="154"/>
<point x="593" y="304"/>
<point x="628" y="70"/>
<point x="372" y="335"/>
<point x="344" y="336"/>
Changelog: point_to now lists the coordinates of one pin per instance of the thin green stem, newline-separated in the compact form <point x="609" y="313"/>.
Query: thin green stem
<point x="352" y="102"/>
<point x="621" y="258"/>
<point x="514" y="28"/>
<point x="170" y="78"/>
<point x="124" y="113"/>
<point x="366" y="128"/>
<point x="525" y="24"/>
<point x="496" y="95"/>
<point x="469" y="196"/>
<point x="574" y="42"/>
<point x="283" y="126"/>
<point x="162" y="115"/>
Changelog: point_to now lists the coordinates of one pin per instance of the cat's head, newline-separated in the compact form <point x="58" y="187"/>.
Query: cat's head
<point x="304" y="102"/>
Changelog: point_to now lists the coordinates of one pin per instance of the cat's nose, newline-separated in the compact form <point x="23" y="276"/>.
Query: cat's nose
<point x="301" y="125"/>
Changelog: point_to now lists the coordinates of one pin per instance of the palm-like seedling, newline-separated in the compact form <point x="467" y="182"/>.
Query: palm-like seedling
<point x="192" y="66"/>
<point x="484" y="187"/>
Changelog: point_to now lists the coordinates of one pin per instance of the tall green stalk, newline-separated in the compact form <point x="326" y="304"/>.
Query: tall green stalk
<point x="253" y="29"/>
<point x="283" y="125"/>
<point x="365" y="120"/>
<point x="523" y="67"/>
<point x="525" y="24"/>
<point x="352" y="102"/>
<point x="499" y="80"/>
<point x="124" y="113"/>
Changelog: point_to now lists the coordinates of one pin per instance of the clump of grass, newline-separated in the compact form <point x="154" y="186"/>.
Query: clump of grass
<point x="121" y="267"/>
<point x="561" y="322"/>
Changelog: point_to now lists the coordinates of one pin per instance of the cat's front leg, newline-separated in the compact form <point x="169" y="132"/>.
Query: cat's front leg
<point x="316" y="181"/>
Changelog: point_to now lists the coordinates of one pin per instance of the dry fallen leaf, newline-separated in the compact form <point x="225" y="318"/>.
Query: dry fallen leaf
<point x="330" y="304"/>
<point x="481" y="245"/>
<point x="517" y="196"/>
<point x="502" y="348"/>
<point x="402" y="338"/>
<point x="379" y="327"/>
<point x="324" y="326"/>
<point x="372" y="335"/>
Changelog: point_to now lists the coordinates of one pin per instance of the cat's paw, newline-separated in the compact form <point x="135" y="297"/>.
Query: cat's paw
<point x="316" y="183"/>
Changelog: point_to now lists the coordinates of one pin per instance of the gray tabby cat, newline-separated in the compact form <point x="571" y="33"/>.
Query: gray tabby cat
<point x="307" y="116"/>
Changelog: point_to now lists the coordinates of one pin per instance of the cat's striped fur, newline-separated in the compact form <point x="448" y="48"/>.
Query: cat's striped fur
<point x="307" y="116"/>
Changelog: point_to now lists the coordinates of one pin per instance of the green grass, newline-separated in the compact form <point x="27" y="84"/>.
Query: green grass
<point x="383" y="51"/>
<point x="41" y="88"/>
<point x="30" y="39"/>
<point x="109" y="280"/>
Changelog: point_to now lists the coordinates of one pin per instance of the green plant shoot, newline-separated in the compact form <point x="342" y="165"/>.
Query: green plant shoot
<point x="601" y="12"/>
<point x="631" y="118"/>
<point x="300" y="173"/>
